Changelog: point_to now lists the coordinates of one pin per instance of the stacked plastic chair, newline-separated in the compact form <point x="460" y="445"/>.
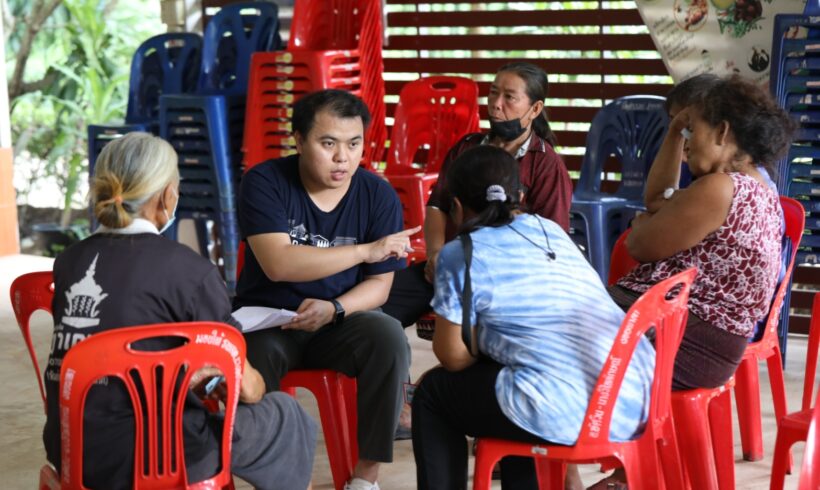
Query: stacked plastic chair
<point x="164" y="64"/>
<point x="432" y="114"/>
<point x="277" y="81"/>
<point x="320" y="25"/>
<point x="206" y="128"/>
<point x="795" y="82"/>
<point x="794" y="77"/>
<point x="630" y="129"/>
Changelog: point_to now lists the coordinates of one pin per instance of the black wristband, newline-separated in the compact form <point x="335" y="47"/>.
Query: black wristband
<point x="339" y="315"/>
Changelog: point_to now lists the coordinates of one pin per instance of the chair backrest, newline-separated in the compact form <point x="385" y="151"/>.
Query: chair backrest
<point x="164" y="64"/>
<point x="158" y="382"/>
<point x="664" y="306"/>
<point x="620" y="262"/>
<point x="29" y="293"/>
<point x="795" y="219"/>
<point x="631" y="129"/>
<point x="434" y="112"/>
<point x="810" y="473"/>
<point x="231" y="37"/>
<point x="326" y="24"/>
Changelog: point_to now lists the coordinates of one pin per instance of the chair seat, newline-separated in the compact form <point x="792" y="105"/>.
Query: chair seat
<point x="797" y="420"/>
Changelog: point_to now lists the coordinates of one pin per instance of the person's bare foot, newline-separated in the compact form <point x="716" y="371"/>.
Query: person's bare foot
<point x="405" y="419"/>
<point x="403" y="431"/>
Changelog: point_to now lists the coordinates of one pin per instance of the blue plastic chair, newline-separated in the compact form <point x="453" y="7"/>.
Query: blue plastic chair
<point x="631" y="129"/>
<point x="231" y="36"/>
<point x="164" y="64"/>
<point x="206" y="128"/>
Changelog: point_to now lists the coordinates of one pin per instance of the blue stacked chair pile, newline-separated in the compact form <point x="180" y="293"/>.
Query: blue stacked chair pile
<point x="795" y="83"/>
<point x="205" y="128"/>
<point x="164" y="64"/>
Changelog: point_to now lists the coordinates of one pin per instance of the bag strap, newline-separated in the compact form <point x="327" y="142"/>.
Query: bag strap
<point x="468" y="330"/>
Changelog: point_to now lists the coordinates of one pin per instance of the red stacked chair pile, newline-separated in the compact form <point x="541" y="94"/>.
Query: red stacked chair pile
<point x="349" y="32"/>
<point x="277" y="80"/>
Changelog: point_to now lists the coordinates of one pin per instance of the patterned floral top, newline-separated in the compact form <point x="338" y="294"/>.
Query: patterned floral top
<point x="738" y="264"/>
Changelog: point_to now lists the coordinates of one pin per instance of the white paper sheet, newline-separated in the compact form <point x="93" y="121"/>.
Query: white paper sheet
<point x="260" y="317"/>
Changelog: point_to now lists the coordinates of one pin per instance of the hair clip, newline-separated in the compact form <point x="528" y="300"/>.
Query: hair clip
<point x="496" y="193"/>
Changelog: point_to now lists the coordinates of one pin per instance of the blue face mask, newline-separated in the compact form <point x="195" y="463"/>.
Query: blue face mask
<point x="172" y="217"/>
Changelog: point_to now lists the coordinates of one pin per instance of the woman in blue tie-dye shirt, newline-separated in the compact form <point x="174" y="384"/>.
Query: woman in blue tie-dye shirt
<point x="545" y="325"/>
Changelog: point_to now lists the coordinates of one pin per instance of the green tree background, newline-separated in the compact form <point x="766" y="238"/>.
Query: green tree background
<point x="68" y="63"/>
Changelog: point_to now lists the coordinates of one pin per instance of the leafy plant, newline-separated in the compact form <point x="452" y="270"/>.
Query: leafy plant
<point x="70" y="62"/>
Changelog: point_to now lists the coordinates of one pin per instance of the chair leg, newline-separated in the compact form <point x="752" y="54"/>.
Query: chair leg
<point x="485" y="460"/>
<point x="336" y="450"/>
<point x="778" y="387"/>
<point x="348" y="418"/>
<point x="720" y="425"/>
<point x="642" y="471"/>
<point x="328" y="395"/>
<point x="551" y="473"/>
<point x="747" y="393"/>
<point x="692" y="430"/>
<point x="780" y="462"/>
<point x="670" y="458"/>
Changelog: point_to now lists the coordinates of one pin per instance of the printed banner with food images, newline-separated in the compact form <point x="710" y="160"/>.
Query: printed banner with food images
<point x="715" y="36"/>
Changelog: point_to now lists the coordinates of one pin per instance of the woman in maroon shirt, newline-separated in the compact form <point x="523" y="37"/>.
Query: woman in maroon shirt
<point x="519" y="125"/>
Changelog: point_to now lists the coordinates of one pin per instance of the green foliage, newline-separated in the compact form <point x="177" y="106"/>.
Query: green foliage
<point x="85" y="46"/>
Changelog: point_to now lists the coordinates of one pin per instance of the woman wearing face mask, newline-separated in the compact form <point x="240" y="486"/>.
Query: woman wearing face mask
<point x="518" y="125"/>
<point x="126" y="274"/>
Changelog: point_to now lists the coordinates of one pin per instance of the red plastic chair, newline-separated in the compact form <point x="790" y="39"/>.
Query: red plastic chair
<point x="651" y="460"/>
<point x="747" y="389"/>
<point x="110" y="354"/>
<point x="29" y="293"/>
<point x="413" y="192"/>
<point x="795" y="426"/>
<point x="710" y="462"/>
<point x="620" y="262"/>
<point x="700" y="415"/>
<point x="336" y="396"/>
<point x="809" y="475"/>
<point x="349" y="24"/>
<point x="434" y="112"/>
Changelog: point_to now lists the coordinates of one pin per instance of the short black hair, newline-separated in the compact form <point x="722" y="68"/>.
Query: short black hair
<point x="339" y="102"/>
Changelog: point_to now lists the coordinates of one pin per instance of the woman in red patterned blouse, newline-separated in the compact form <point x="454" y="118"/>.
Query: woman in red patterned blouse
<point x="727" y="223"/>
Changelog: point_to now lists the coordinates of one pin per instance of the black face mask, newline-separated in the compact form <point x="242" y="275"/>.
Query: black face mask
<point x="507" y="130"/>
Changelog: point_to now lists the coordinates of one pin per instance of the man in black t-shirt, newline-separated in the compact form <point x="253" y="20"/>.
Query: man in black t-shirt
<point x="324" y="240"/>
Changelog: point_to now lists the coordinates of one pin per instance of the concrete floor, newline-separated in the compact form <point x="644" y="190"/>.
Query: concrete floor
<point x="22" y="416"/>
